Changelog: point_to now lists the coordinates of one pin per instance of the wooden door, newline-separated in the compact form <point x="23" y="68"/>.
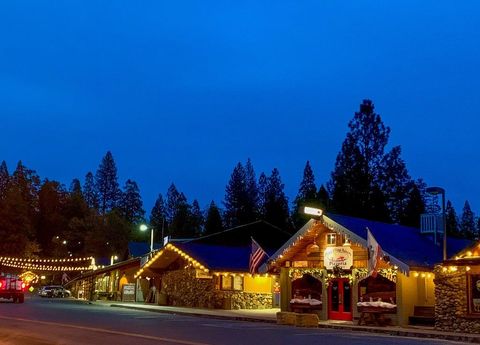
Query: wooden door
<point x="340" y="299"/>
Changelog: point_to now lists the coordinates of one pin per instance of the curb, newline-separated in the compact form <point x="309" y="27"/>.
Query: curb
<point x="209" y="316"/>
<point x="394" y="332"/>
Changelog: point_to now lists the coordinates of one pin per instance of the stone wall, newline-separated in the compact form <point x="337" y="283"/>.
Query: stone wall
<point x="182" y="288"/>
<point x="451" y="304"/>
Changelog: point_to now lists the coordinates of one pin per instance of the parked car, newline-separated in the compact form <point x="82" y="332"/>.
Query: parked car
<point x="54" y="291"/>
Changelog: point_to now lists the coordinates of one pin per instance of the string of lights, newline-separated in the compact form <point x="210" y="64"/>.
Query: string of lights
<point x="41" y="267"/>
<point x="30" y="260"/>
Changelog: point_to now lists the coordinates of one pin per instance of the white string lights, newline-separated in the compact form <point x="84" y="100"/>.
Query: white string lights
<point x="63" y="264"/>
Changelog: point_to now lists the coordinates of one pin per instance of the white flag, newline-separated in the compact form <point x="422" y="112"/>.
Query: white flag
<point x="374" y="254"/>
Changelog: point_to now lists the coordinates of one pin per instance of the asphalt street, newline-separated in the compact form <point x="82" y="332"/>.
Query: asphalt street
<point x="67" y="322"/>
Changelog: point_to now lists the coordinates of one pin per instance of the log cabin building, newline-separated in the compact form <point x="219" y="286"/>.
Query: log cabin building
<point x="323" y="269"/>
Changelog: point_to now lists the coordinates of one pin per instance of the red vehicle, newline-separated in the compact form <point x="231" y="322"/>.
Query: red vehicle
<point x="12" y="287"/>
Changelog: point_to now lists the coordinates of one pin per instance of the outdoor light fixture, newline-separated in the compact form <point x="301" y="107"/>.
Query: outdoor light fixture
<point x="312" y="211"/>
<point x="436" y="191"/>
<point x="144" y="227"/>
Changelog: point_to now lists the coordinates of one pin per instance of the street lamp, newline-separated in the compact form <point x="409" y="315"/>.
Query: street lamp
<point x="113" y="258"/>
<point x="436" y="191"/>
<point x="144" y="227"/>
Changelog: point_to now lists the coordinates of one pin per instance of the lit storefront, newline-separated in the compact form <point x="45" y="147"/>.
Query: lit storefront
<point x="323" y="270"/>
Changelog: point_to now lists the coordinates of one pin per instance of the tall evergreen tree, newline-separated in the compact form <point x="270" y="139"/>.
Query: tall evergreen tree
<point x="415" y="205"/>
<point x="323" y="198"/>
<point x="239" y="209"/>
<point x="395" y="183"/>
<point x="75" y="186"/>
<point x="51" y="217"/>
<point x="4" y="180"/>
<point x="262" y="194"/>
<point x="306" y="196"/>
<point x="131" y="204"/>
<point x="213" y="222"/>
<point x="181" y="226"/>
<point x="90" y="193"/>
<point x="251" y="189"/>
<point x="467" y="223"/>
<point x="173" y="200"/>
<point x="158" y="214"/>
<point x="197" y="219"/>
<point x="276" y="205"/>
<point x="366" y="182"/>
<point x="451" y="220"/>
<point x="106" y="181"/>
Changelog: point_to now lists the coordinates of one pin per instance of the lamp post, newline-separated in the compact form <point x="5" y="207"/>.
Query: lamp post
<point x="113" y="258"/>
<point x="144" y="227"/>
<point x="436" y="191"/>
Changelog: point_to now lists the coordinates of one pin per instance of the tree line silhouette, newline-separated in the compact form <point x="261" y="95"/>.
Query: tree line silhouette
<point x="44" y="218"/>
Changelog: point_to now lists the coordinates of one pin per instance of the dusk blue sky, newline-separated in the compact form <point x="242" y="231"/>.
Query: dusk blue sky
<point x="180" y="91"/>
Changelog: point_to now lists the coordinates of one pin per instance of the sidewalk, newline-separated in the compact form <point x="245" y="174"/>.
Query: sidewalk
<point x="269" y="316"/>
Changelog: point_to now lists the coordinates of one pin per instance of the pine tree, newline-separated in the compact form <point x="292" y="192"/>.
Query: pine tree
<point x="415" y="205"/>
<point x="251" y="190"/>
<point x="213" y="223"/>
<point x="51" y="217"/>
<point x="395" y="183"/>
<point x="306" y="196"/>
<point x="4" y="180"/>
<point x="197" y="218"/>
<point x="90" y="193"/>
<point x="356" y="180"/>
<point x="173" y="199"/>
<point x="107" y="184"/>
<point x="467" y="223"/>
<point x="451" y="220"/>
<point x="323" y="198"/>
<point x="158" y="214"/>
<point x="276" y="205"/>
<point x="131" y="204"/>
<point x="238" y="208"/>
<point x="181" y="226"/>
<point x="75" y="186"/>
<point x="262" y="194"/>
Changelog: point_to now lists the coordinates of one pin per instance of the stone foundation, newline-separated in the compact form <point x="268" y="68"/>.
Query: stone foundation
<point x="451" y="304"/>
<point x="183" y="289"/>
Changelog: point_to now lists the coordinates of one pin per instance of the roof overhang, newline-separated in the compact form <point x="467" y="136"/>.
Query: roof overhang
<point x="334" y="226"/>
<point x="159" y="260"/>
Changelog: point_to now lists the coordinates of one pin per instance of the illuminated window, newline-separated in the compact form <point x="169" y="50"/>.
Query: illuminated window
<point x="232" y="283"/>
<point x="331" y="239"/>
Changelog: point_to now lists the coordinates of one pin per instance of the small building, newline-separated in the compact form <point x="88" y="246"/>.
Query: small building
<point x="323" y="269"/>
<point x="213" y="271"/>
<point x="457" y="292"/>
<point x="107" y="282"/>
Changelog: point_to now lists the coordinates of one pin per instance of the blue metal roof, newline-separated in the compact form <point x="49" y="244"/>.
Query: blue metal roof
<point x="219" y="258"/>
<point x="405" y="243"/>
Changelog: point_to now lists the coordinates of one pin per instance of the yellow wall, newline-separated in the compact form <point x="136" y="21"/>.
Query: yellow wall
<point x="257" y="284"/>
<point x="412" y="291"/>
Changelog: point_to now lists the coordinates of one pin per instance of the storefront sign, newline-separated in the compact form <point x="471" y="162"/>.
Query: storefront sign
<point x="341" y="257"/>
<point x="128" y="293"/>
<point x="200" y="274"/>
<point x="300" y="264"/>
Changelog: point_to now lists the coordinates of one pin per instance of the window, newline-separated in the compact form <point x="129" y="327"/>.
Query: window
<point x="331" y="239"/>
<point x="232" y="283"/>
<point x="474" y="293"/>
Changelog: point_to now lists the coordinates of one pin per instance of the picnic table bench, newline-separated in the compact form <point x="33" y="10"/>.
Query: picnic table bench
<point x="423" y="316"/>
<point x="374" y="312"/>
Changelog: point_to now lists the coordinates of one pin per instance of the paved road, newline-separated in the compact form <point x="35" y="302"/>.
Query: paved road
<point x="54" y="321"/>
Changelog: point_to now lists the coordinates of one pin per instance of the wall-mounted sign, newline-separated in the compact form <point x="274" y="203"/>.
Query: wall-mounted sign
<point x="300" y="264"/>
<point x="338" y="256"/>
<point x="200" y="274"/>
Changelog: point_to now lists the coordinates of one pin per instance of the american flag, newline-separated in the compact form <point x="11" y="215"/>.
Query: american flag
<point x="256" y="256"/>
